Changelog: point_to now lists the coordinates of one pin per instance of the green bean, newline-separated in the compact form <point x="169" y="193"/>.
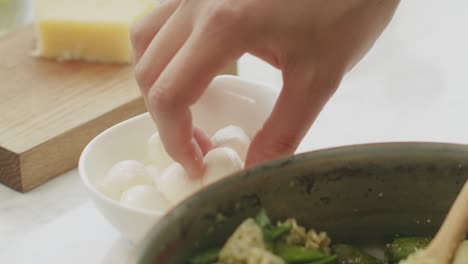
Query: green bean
<point x="262" y="219"/>
<point x="271" y="233"/>
<point x="294" y="254"/>
<point x="347" y="254"/>
<point x="401" y="248"/>
<point x="279" y="231"/>
<point x="325" y="260"/>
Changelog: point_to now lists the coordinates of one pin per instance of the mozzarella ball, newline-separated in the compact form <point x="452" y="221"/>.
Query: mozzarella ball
<point x="175" y="184"/>
<point x="145" y="197"/>
<point x="232" y="137"/>
<point x="153" y="171"/>
<point x="219" y="163"/>
<point x="157" y="154"/>
<point x="122" y="176"/>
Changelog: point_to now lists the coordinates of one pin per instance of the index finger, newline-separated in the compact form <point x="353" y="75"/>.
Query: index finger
<point x="180" y="84"/>
<point x="144" y="30"/>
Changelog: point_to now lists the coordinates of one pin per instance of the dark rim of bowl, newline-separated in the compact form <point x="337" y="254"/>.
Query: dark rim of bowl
<point x="387" y="147"/>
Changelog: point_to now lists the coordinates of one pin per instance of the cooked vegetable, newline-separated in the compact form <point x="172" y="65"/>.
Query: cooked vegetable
<point x="295" y="254"/>
<point x="207" y="257"/>
<point x="318" y="240"/>
<point x="277" y="232"/>
<point x="260" y="241"/>
<point x="262" y="219"/>
<point x="263" y="256"/>
<point x="401" y="248"/>
<point x="326" y="260"/>
<point x="297" y="235"/>
<point x="271" y="233"/>
<point x="346" y="254"/>
<point x="237" y="249"/>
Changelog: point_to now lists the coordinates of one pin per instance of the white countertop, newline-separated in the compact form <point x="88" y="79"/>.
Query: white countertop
<point x="413" y="86"/>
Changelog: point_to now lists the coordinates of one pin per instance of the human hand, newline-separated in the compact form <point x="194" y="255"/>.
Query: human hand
<point x="181" y="45"/>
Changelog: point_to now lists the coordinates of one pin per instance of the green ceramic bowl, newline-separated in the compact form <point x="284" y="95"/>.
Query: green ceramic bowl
<point x="362" y="194"/>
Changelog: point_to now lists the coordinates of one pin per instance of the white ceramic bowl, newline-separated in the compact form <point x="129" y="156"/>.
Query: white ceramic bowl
<point x="228" y="100"/>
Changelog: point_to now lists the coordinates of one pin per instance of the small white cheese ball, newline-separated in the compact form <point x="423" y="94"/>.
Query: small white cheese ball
<point x="232" y="137"/>
<point x="122" y="176"/>
<point x="175" y="184"/>
<point x="219" y="163"/>
<point x="157" y="154"/>
<point x="153" y="171"/>
<point x="145" y="197"/>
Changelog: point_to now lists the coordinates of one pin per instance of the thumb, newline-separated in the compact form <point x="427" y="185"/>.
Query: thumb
<point x="303" y="96"/>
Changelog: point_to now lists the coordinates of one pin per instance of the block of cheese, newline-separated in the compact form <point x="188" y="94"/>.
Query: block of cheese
<point x="89" y="30"/>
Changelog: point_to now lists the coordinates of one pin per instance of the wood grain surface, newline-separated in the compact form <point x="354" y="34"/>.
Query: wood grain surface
<point x="50" y="110"/>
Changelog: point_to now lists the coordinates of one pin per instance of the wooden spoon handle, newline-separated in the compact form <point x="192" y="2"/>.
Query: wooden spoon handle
<point x="453" y="230"/>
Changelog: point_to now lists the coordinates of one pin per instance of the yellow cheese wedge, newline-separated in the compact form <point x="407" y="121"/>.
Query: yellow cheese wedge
<point x="89" y="30"/>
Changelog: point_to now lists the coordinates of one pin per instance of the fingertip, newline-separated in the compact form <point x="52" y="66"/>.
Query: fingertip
<point x="254" y="156"/>
<point x="269" y="146"/>
<point x="193" y="164"/>
<point x="195" y="169"/>
<point x="203" y="140"/>
<point x="250" y="162"/>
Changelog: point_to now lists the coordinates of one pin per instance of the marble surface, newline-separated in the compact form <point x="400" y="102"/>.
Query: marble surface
<point x="412" y="86"/>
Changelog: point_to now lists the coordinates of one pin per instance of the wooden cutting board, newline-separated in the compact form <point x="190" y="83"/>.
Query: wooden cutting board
<point x="50" y="110"/>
